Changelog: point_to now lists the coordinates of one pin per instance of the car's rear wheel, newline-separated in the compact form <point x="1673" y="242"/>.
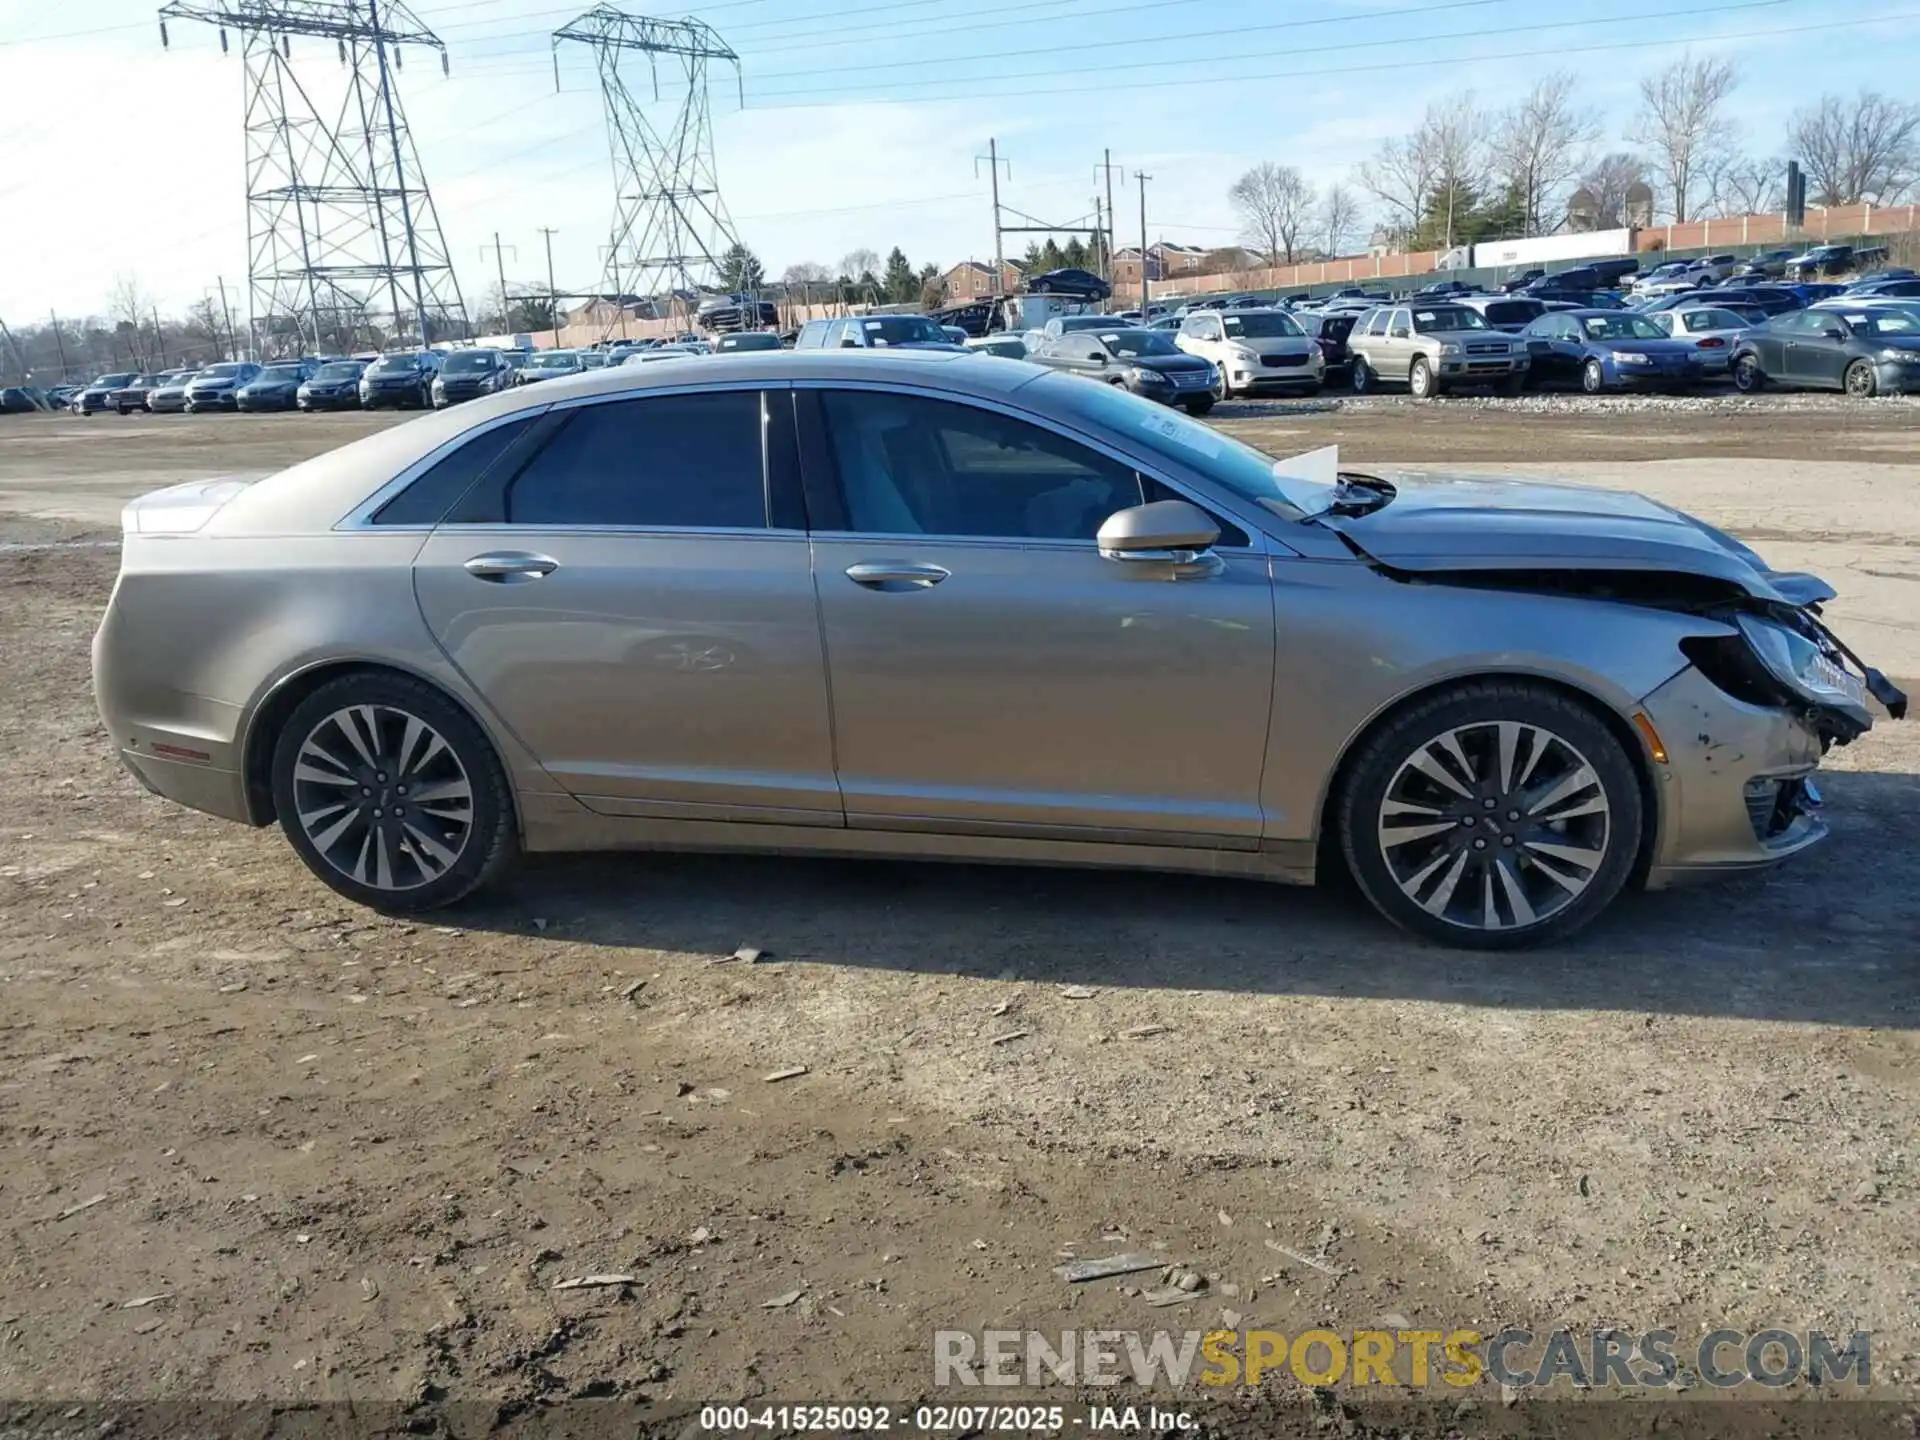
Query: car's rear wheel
<point x="1748" y="377"/>
<point x="1420" y="382"/>
<point x="1593" y="377"/>
<point x="1362" y="375"/>
<point x="1492" y="815"/>
<point x="1861" y="382"/>
<point x="392" y="794"/>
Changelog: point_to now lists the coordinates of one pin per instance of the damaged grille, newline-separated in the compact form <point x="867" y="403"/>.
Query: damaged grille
<point x="1773" y="805"/>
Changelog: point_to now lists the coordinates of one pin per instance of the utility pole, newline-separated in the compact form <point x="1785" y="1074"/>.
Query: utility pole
<point x="994" y="162"/>
<point x="500" y="259"/>
<point x="553" y="294"/>
<point x="1143" y="179"/>
<point x="1099" y="241"/>
<point x="1113" y="215"/>
<point x="159" y="337"/>
<point x="233" y="345"/>
<point x="59" y="344"/>
<point x="19" y="360"/>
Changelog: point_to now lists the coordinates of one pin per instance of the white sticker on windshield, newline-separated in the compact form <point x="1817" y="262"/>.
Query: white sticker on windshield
<point x="1316" y="467"/>
<point x="1423" y="315"/>
<point x="873" y="324"/>
<point x="1190" y="434"/>
<point x="1856" y="319"/>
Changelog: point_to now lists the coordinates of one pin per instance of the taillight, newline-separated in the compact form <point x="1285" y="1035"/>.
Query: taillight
<point x="1713" y="342"/>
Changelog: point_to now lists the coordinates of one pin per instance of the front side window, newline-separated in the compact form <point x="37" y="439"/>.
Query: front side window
<point x="912" y="465"/>
<point x="666" y="461"/>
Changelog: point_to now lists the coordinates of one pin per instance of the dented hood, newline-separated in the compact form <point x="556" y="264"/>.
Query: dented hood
<point x="1437" y="524"/>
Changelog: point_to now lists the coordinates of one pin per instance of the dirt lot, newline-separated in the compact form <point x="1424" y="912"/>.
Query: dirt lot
<point x="343" y="1157"/>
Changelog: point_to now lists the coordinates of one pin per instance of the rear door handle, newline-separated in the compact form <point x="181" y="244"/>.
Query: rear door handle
<point x="879" y="575"/>
<point x="509" y="567"/>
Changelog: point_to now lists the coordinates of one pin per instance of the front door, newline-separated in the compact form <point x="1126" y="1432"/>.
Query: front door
<point x="621" y="601"/>
<point x="991" y="673"/>
<point x="1817" y="352"/>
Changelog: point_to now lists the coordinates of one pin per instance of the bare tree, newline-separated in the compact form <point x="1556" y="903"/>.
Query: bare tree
<point x="1863" y="149"/>
<point x="1538" y="146"/>
<point x="1275" y="205"/>
<point x="1608" y="179"/>
<point x="1683" y="120"/>
<point x="130" y="308"/>
<point x="1400" y="176"/>
<point x="1339" y="219"/>
<point x="1430" y="176"/>
<point x="856" y="263"/>
<point x="1749" y="185"/>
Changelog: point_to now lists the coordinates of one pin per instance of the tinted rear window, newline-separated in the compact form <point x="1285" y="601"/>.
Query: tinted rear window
<point x="664" y="461"/>
<point x="430" y="497"/>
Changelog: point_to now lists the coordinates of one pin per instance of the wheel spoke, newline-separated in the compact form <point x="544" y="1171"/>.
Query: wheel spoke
<point x="1565" y="788"/>
<point x="321" y="777"/>
<point x="1572" y="854"/>
<point x="441" y="791"/>
<point x="383" y="859"/>
<point x="1572" y="884"/>
<point x="425" y="844"/>
<point x="1410" y="833"/>
<point x="1429" y="765"/>
<point x="1442" y="896"/>
<point x="1508" y="732"/>
<point x="344" y="723"/>
<point x="1516" y="897"/>
<point x="324" y="841"/>
<point x="342" y="809"/>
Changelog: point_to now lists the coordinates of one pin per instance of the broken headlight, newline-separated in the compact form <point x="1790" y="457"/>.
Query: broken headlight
<point x="1805" y="669"/>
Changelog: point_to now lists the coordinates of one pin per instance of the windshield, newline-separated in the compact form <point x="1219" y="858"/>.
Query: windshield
<point x="279" y="372"/>
<point x="1130" y="343"/>
<point x="903" y="330"/>
<point x="1620" y="327"/>
<point x="114" y="379"/>
<point x="342" y="371"/>
<point x="219" y="372"/>
<point x="395" y="364"/>
<point x="466" y="362"/>
<point x="1442" y="318"/>
<point x="552" y="360"/>
<point x="1258" y="326"/>
<point x="1236" y="467"/>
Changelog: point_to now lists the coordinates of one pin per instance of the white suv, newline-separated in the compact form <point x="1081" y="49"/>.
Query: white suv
<point x="1255" y="350"/>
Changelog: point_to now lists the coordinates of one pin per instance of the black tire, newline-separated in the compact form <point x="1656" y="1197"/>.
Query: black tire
<point x="490" y="841"/>
<point x="1515" y="384"/>
<point x="1581" y="736"/>
<point x="1199" y="407"/>
<point x="1422" y="383"/>
<point x="1748" y="377"/>
<point x="1861" y="382"/>
<point x="1223" y="390"/>
<point x="1593" y="378"/>
<point x="1362" y="376"/>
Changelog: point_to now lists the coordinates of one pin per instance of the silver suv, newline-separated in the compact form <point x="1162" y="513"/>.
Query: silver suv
<point x="1433" y="348"/>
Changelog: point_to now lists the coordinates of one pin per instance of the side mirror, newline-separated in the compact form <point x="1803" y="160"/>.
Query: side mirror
<point x="849" y="343"/>
<point x="1098" y="357"/>
<point x="1833" y="332"/>
<point x="1169" y="532"/>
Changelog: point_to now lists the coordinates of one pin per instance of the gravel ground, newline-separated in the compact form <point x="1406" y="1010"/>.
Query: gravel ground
<point x="352" y="1157"/>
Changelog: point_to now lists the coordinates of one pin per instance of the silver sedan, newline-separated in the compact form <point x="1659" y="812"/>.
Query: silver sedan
<point x="942" y="606"/>
<point x="1714" y="329"/>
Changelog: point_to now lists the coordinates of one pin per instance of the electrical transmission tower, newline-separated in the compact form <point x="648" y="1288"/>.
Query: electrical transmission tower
<point x="670" y="225"/>
<point x="344" y="248"/>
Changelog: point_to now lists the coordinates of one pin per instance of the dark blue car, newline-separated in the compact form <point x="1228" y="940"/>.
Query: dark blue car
<point x="1601" y="350"/>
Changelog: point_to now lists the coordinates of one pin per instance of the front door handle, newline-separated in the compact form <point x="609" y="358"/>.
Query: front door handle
<point x="510" y="567"/>
<point x="895" y="575"/>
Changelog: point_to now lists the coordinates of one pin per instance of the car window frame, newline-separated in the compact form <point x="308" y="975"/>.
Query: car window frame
<point x="483" y="507"/>
<point x="826" y="498"/>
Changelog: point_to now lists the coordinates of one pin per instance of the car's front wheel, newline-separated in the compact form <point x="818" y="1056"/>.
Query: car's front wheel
<point x="1493" y="814"/>
<point x="1593" y="377"/>
<point x="1420" y="382"/>
<point x="392" y="794"/>
<point x="1861" y="382"/>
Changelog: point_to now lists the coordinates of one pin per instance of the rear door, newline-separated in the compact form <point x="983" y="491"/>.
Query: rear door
<point x="636" y="605"/>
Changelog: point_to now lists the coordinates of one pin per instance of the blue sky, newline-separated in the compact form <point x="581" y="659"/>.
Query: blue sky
<point x="862" y="119"/>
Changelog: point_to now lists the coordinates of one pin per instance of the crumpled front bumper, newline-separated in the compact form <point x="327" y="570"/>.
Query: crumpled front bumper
<point x="1735" y="792"/>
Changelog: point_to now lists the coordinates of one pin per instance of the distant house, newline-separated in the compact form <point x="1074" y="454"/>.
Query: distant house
<point x="972" y="279"/>
<point x="1165" y="260"/>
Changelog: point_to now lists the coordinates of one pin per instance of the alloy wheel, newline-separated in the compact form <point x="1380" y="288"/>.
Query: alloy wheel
<point x="1593" y="379"/>
<point x="1746" y="374"/>
<point x="382" y="797"/>
<point x="1495" y="825"/>
<point x="1860" y="380"/>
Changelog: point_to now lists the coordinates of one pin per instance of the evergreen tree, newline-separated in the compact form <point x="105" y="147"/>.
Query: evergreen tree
<point x="900" y="282"/>
<point x="740" y="269"/>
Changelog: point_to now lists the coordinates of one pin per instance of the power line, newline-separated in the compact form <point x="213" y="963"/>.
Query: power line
<point x="1345" y="45"/>
<point x="1218" y="80"/>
